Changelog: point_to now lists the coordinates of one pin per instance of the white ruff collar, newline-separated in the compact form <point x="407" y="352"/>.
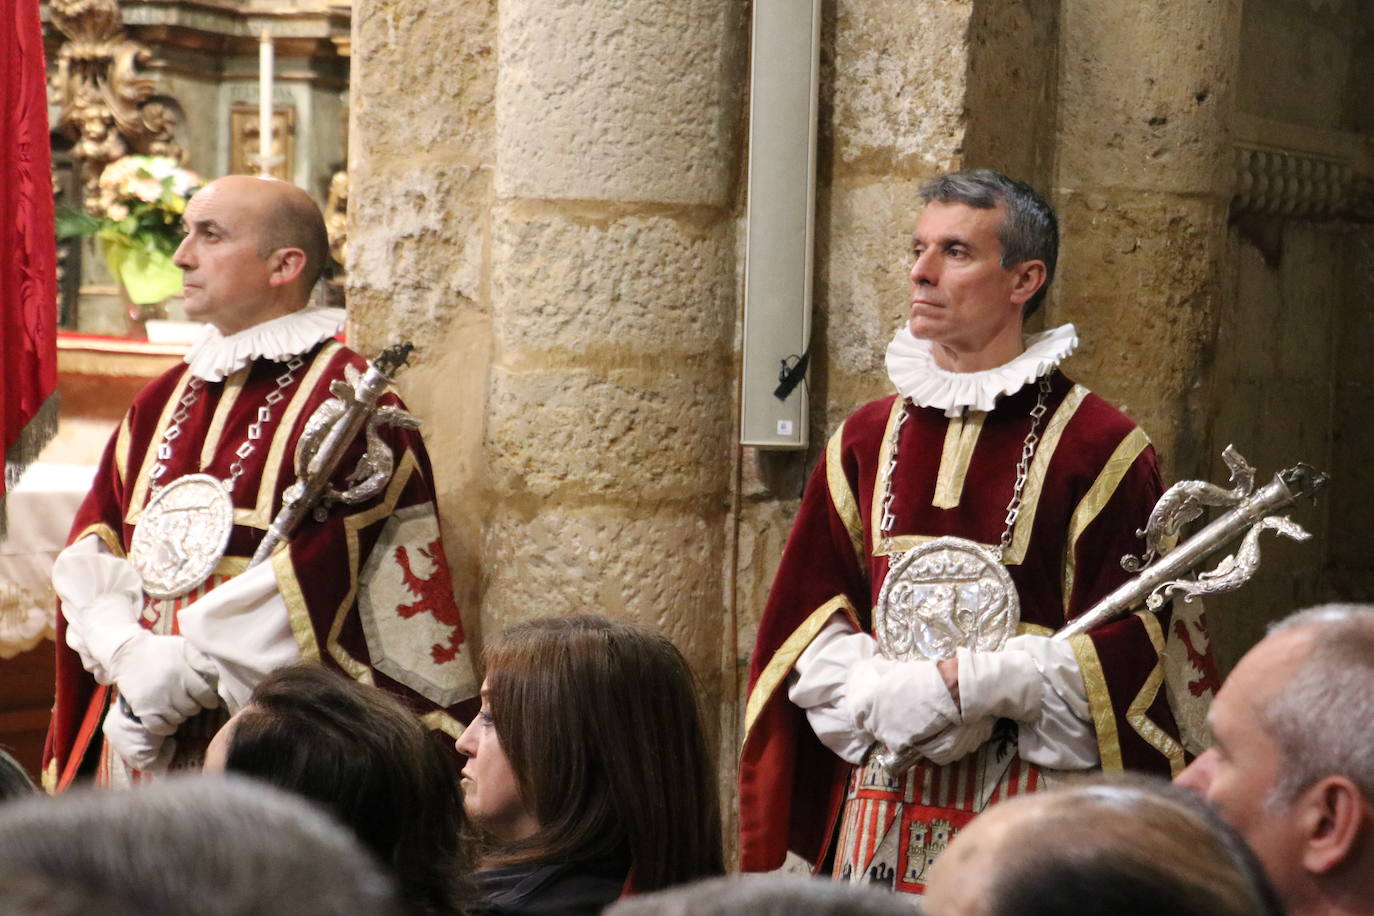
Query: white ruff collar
<point x="911" y="366"/>
<point x="213" y="356"/>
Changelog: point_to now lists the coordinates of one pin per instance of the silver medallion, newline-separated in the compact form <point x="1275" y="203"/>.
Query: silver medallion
<point x="182" y="535"/>
<point x="941" y="595"/>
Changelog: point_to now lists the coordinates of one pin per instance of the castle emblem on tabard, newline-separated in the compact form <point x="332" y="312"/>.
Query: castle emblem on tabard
<point x="926" y="840"/>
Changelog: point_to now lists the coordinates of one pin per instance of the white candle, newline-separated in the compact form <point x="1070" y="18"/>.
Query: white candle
<point x="265" y="104"/>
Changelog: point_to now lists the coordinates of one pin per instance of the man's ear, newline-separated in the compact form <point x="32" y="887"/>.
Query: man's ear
<point x="1332" y="815"/>
<point x="286" y="265"/>
<point x="1029" y="276"/>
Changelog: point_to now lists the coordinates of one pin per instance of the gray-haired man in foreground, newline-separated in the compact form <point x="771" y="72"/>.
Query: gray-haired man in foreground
<point x="1292" y="766"/>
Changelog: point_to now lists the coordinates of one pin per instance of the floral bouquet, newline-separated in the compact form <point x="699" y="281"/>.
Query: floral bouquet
<point x="138" y="222"/>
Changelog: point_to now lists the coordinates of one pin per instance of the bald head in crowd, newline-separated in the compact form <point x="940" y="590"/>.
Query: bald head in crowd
<point x="1128" y="847"/>
<point x="253" y="251"/>
<point x="1292" y="761"/>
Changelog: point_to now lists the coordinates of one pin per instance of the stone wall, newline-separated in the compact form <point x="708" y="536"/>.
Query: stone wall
<point x="1291" y="378"/>
<point x="1142" y="187"/>
<point x="422" y="127"/>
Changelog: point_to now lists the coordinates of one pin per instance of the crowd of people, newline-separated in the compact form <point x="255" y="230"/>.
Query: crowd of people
<point x="914" y="730"/>
<point x="588" y="786"/>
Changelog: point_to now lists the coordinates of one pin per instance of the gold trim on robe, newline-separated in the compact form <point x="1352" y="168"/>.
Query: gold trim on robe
<point x="440" y="721"/>
<point x="233" y="387"/>
<point x="297" y="613"/>
<point x="140" y="495"/>
<point x="842" y="497"/>
<point x="904" y="542"/>
<point x="121" y="453"/>
<point x="961" y="438"/>
<point x="260" y="516"/>
<point x="1138" y="712"/>
<point x="1097" y="497"/>
<point x="352" y="525"/>
<point x="1099" y="702"/>
<point x="782" y="661"/>
<point x="107" y="535"/>
<point x="1035" y="478"/>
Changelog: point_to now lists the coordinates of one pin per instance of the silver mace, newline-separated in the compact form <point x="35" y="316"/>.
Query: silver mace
<point x="1159" y="569"/>
<point x="328" y="435"/>
<point x="1255" y="510"/>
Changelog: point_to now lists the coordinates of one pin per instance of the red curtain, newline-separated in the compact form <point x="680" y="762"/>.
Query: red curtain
<point x="28" y="278"/>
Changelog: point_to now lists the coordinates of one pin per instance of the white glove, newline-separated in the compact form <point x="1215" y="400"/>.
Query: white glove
<point x="1036" y="681"/>
<point x="956" y="742"/>
<point x="98" y="590"/>
<point x="999" y="685"/>
<point x="140" y="748"/>
<point x="164" y="679"/>
<point x="901" y="703"/>
<point x="853" y="696"/>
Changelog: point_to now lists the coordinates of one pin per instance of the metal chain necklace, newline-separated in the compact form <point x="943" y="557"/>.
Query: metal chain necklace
<point x="1022" y="467"/>
<point x="185" y="528"/>
<point x="950" y="592"/>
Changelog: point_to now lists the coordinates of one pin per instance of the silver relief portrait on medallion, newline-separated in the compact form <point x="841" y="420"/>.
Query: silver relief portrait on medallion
<point x="182" y="535"/>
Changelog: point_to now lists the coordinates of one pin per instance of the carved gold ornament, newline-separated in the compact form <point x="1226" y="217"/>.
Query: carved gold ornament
<point x="104" y="98"/>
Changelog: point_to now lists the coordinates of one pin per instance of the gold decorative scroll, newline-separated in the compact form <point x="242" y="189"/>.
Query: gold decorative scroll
<point x="104" y="97"/>
<point x="336" y="217"/>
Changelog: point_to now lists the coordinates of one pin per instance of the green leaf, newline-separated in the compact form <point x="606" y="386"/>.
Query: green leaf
<point x="71" y="222"/>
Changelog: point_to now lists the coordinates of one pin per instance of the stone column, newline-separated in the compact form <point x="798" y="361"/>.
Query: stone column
<point x="1142" y="188"/>
<point x="609" y="418"/>
<point x="421" y="126"/>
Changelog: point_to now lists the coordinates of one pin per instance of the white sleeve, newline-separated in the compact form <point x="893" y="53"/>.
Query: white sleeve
<point x="853" y="696"/>
<point x="1060" y="735"/>
<point x="102" y="596"/>
<point x="817" y="684"/>
<point x="244" y="627"/>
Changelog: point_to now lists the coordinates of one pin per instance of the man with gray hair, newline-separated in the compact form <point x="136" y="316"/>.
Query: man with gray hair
<point x="989" y="480"/>
<point x="189" y="845"/>
<point x="1291" y="766"/>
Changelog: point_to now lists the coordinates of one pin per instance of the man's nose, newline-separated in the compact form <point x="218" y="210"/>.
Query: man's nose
<point x="923" y="269"/>
<point x="1197" y="776"/>
<point x="181" y="257"/>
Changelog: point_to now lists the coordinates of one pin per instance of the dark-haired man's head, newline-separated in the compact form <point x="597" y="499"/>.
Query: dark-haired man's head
<point x="1028" y="229"/>
<point x="983" y="255"/>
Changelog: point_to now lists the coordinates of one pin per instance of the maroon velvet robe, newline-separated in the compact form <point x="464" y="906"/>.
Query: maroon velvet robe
<point x="368" y="590"/>
<point x="1092" y="484"/>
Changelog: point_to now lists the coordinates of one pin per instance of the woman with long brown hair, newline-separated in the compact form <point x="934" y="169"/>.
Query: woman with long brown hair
<point x="587" y="770"/>
<point x="368" y="760"/>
